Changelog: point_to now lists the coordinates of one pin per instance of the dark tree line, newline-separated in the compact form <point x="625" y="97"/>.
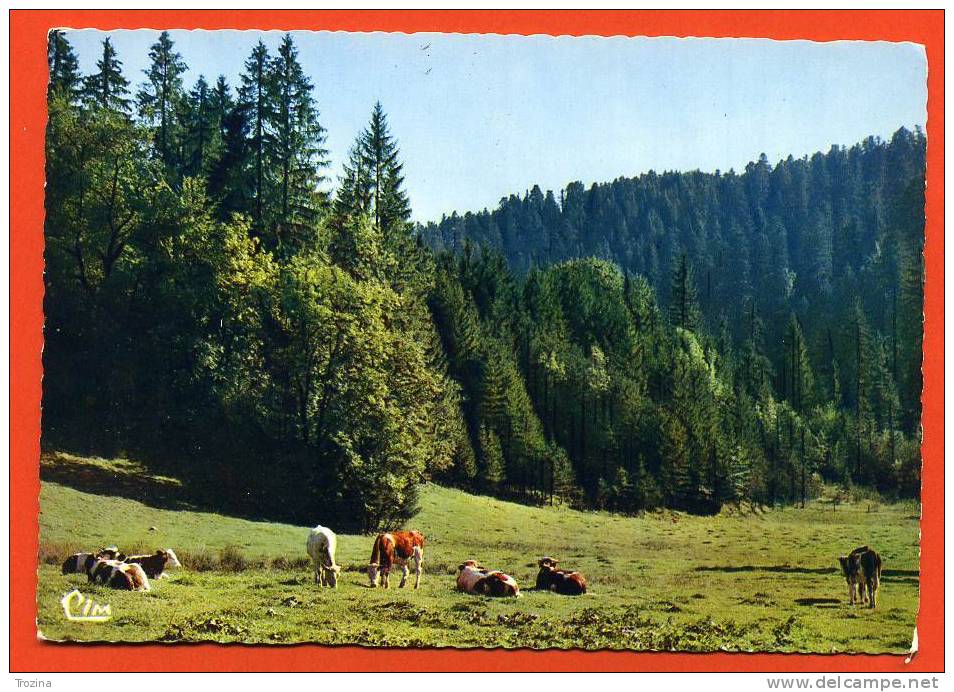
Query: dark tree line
<point x="216" y="307"/>
<point x="805" y="278"/>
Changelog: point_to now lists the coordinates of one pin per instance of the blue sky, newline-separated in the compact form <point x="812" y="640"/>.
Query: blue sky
<point x="479" y="117"/>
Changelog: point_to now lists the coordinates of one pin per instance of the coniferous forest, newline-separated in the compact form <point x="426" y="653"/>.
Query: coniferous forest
<point x="219" y="307"/>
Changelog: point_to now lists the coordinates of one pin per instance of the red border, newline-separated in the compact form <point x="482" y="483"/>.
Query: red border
<point x="28" y="74"/>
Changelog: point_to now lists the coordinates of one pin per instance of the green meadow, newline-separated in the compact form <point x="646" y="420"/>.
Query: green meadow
<point x="740" y="581"/>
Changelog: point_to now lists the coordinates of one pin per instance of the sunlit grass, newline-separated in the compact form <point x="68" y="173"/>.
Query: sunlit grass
<point x="739" y="582"/>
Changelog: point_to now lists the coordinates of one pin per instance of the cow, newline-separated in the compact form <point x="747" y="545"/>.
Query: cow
<point x="156" y="564"/>
<point x="118" y="575"/>
<point x="560" y="581"/>
<point x="81" y="562"/>
<point x="401" y="547"/>
<point x="321" y="549"/>
<point x="862" y="569"/>
<point x="474" y="578"/>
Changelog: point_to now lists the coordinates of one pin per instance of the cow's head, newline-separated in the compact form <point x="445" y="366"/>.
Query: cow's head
<point x="468" y="563"/>
<point x="332" y="574"/>
<point x="373" y="574"/>
<point x="170" y="556"/>
<point x="850" y="564"/>
<point x="547" y="562"/>
<point x="111" y="552"/>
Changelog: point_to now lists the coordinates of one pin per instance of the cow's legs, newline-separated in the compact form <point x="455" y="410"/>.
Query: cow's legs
<point x="317" y="573"/>
<point x="418" y="565"/>
<point x="404" y="572"/>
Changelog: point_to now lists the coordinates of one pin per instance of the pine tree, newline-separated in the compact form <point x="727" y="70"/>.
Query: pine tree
<point x="255" y="98"/>
<point x="800" y="384"/>
<point x="683" y="305"/>
<point x="294" y="146"/>
<point x="64" y="67"/>
<point x="354" y="190"/>
<point x="107" y="88"/>
<point x="160" y="98"/>
<point x="491" y="460"/>
<point x="373" y="177"/>
<point x="228" y="181"/>
<point x="202" y="130"/>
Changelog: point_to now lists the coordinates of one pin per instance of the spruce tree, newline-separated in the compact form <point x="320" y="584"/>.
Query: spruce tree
<point x="202" y="130"/>
<point x="373" y="180"/>
<point x="294" y="147"/>
<point x="255" y="98"/>
<point x="683" y="305"/>
<point x="64" y="67"/>
<point x="160" y="97"/>
<point x="107" y="88"/>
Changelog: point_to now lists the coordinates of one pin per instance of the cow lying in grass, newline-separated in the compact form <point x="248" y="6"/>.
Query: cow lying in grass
<point x="862" y="570"/>
<point x="473" y="578"/>
<point x="398" y="547"/>
<point x="155" y="565"/>
<point x="80" y="563"/>
<point x="560" y="581"/>
<point x="118" y="575"/>
<point x="321" y="549"/>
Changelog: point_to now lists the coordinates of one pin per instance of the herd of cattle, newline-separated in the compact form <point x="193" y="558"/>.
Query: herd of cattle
<point x="405" y="549"/>
<point x="112" y="568"/>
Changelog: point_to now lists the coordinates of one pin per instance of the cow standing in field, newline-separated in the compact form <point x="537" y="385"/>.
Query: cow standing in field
<point x="400" y="547"/>
<point x="862" y="570"/>
<point x="118" y="575"/>
<point x="560" y="581"/>
<point x="321" y="549"/>
<point x="473" y="578"/>
<point x="156" y="564"/>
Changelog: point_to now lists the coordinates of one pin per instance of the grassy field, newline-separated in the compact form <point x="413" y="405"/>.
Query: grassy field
<point x="664" y="581"/>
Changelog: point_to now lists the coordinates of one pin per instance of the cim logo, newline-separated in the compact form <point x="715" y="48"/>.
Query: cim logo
<point x="79" y="608"/>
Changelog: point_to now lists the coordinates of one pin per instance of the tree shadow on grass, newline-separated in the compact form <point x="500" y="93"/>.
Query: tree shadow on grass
<point x="819" y="602"/>
<point x="115" y="479"/>
<point x="890" y="574"/>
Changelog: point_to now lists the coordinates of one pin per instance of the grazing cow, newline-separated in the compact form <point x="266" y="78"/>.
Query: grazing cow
<point x="81" y="562"/>
<point x="399" y="547"/>
<point x="155" y="565"/>
<point x="862" y="569"/>
<point x="321" y="549"/>
<point x="473" y="578"/>
<point x="561" y="581"/>
<point x="119" y="575"/>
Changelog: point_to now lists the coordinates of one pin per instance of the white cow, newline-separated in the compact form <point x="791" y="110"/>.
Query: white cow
<point x="321" y="548"/>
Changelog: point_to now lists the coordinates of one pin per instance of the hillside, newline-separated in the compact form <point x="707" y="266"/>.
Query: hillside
<point x="665" y="580"/>
<point x="680" y="340"/>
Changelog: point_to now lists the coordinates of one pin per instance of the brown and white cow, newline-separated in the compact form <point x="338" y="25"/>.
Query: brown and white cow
<point x="397" y="547"/>
<point x="118" y="575"/>
<point x="79" y="563"/>
<point x="474" y="578"/>
<point x="155" y="565"/>
<point x="558" y="580"/>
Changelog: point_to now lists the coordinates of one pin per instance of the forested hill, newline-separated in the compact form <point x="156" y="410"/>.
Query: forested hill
<point x="816" y="238"/>
<point x="298" y="352"/>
